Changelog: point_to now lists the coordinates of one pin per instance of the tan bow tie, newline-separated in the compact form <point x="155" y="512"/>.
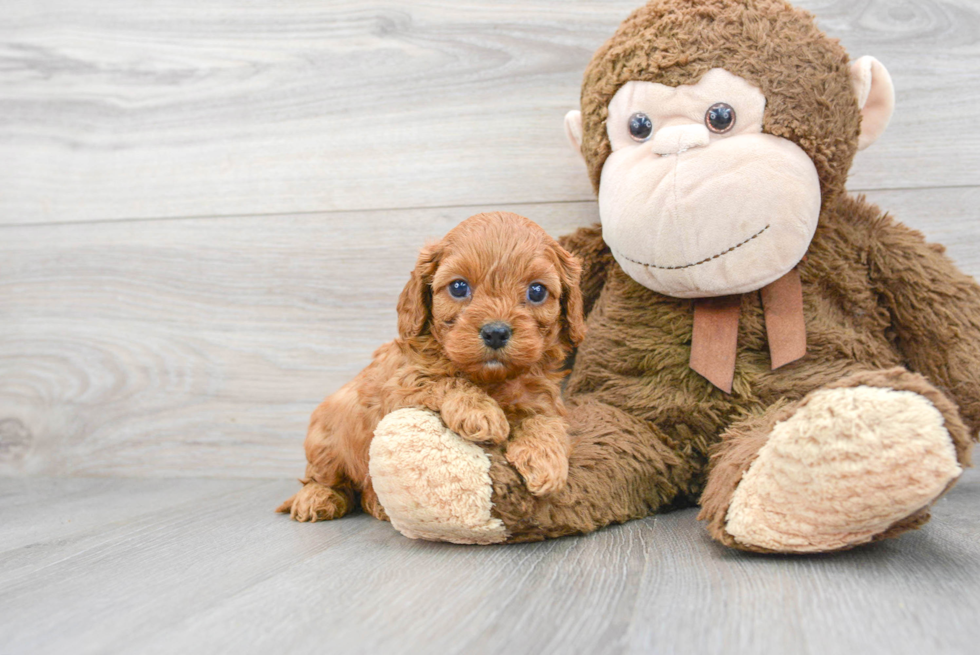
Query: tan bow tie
<point x="715" y="337"/>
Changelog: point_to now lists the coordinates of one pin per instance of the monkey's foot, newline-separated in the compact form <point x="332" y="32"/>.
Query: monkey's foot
<point x="849" y="466"/>
<point x="433" y="484"/>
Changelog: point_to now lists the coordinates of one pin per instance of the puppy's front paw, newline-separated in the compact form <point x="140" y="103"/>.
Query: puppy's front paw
<point x="544" y="469"/>
<point x="475" y="418"/>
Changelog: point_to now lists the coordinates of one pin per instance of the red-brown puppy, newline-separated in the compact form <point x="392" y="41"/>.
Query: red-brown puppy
<point x="484" y="323"/>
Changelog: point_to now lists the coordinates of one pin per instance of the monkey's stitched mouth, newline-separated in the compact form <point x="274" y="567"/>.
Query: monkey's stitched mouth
<point x="703" y="261"/>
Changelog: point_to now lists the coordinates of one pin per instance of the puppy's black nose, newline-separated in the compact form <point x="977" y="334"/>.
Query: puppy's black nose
<point x="495" y="335"/>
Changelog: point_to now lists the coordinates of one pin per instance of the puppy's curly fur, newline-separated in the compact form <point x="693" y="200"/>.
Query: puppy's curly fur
<point x="445" y="361"/>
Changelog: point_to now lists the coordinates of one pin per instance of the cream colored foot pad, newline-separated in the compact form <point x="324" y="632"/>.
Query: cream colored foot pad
<point x="433" y="484"/>
<point x="845" y="467"/>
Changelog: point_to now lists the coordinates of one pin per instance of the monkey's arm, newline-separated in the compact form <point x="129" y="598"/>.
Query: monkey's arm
<point x="586" y="243"/>
<point x="935" y="311"/>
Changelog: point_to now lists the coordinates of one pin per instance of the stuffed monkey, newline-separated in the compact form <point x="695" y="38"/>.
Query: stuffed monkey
<point x="760" y="343"/>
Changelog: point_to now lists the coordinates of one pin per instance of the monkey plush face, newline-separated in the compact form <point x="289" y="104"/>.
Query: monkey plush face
<point x="715" y="133"/>
<point x="696" y="200"/>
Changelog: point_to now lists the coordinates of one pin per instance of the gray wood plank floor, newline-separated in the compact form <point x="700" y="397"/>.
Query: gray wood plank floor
<point x="182" y="566"/>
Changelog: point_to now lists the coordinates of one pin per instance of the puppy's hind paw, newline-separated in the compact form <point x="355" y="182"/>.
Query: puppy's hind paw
<point x="317" y="502"/>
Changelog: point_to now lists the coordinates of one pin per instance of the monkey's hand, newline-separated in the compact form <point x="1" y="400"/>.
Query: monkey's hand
<point x="475" y="416"/>
<point x="935" y="311"/>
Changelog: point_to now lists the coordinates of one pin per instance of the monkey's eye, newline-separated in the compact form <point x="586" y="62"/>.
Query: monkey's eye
<point x="720" y="118"/>
<point x="536" y="293"/>
<point x="459" y="289"/>
<point x="641" y="127"/>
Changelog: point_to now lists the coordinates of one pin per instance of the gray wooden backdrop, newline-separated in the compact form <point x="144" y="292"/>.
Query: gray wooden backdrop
<point x="207" y="209"/>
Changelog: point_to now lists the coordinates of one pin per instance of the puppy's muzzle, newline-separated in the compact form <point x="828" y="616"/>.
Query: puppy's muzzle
<point x="495" y="335"/>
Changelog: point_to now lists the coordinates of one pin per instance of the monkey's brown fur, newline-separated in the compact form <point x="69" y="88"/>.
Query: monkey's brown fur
<point x="801" y="72"/>
<point x="439" y="362"/>
<point x="883" y="308"/>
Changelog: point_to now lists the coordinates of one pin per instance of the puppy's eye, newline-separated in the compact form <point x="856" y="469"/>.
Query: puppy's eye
<point x="641" y="127"/>
<point x="720" y="118"/>
<point x="536" y="293"/>
<point x="459" y="289"/>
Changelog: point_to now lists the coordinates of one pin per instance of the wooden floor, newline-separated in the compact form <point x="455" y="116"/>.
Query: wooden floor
<point x="204" y="566"/>
<point x="207" y="210"/>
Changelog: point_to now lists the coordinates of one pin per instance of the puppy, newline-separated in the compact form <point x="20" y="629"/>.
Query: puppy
<point x="484" y="324"/>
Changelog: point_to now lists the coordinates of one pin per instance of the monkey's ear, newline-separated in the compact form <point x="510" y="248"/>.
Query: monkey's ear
<point x="876" y="98"/>
<point x="415" y="301"/>
<point x="573" y="130"/>
<point x="573" y="319"/>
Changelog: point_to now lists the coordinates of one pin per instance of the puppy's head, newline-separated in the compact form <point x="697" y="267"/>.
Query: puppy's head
<point x="498" y="294"/>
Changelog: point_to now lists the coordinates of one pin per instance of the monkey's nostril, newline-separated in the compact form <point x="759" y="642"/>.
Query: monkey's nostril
<point x="495" y="335"/>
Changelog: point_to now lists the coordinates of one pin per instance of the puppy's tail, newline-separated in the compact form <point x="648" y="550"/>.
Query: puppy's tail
<point x="287" y="506"/>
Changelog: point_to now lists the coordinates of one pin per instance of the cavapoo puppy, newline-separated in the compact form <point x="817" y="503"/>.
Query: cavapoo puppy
<point x="484" y="324"/>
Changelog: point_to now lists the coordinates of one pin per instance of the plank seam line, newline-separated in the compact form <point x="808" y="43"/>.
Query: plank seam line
<point x="95" y="221"/>
<point x="326" y="212"/>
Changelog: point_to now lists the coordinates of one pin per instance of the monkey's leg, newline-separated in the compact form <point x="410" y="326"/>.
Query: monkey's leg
<point x="619" y="469"/>
<point x="853" y="462"/>
<point x="434" y="485"/>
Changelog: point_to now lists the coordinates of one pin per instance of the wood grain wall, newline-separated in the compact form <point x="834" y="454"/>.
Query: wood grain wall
<point x="207" y="209"/>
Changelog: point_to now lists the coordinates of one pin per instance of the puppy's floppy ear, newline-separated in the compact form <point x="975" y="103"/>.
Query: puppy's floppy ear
<point x="573" y="321"/>
<point x="415" y="301"/>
